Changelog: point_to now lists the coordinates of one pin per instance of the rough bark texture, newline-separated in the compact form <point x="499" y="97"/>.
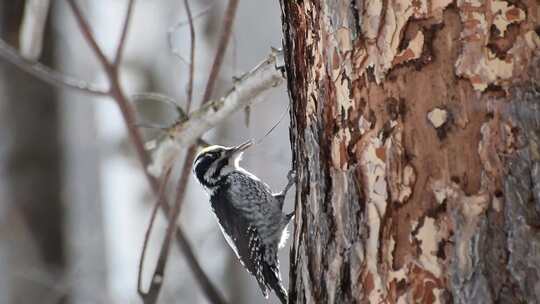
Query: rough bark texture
<point x="416" y="135"/>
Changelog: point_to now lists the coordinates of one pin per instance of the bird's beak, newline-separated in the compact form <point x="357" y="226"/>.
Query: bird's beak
<point x="238" y="150"/>
<point x="242" y="147"/>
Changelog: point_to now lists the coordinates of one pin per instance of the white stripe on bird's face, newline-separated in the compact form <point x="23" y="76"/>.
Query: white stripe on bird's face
<point x="214" y="162"/>
<point x="206" y="164"/>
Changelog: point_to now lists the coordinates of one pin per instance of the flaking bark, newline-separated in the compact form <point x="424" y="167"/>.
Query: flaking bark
<point x="414" y="129"/>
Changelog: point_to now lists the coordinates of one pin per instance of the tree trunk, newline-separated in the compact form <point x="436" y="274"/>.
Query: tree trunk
<point x="415" y="128"/>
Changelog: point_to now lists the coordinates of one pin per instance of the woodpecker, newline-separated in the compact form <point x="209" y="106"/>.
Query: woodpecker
<point x="249" y="214"/>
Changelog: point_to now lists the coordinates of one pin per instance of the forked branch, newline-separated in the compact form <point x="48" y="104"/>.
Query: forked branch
<point x="248" y="89"/>
<point x="117" y="93"/>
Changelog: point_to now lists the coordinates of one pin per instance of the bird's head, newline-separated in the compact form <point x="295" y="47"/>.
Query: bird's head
<point x="215" y="161"/>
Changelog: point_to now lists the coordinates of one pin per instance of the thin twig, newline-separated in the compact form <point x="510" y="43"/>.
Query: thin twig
<point x="185" y="22"/>
<point x="157" y="278"/>
<point x="116" y="91"/>
<point x="159" y="272"/>
<point x="218" y="106"/>
<point x="123" y="36"/>
<point x="191" y="57"/>
<point x="196" y="268"/>
<point x="118" y="95"/>
<point x="129" y="116"/>
<point x="213" y="295"/>
<point x="190" y="156"/>
<point x="87" y="33"/>
<point x="161" y="98"/>
<point x="234" y="54"/>
<point x="157" y="205"/>
<point x="180" y="24"/>
<point x="55" y="78"/>
<point x="46" y="74"/>
<point x="248" y="90"/>
<point x="225" y="36"/>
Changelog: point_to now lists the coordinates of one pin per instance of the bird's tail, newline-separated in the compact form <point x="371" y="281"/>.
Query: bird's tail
<point x="273" y="279"/>
<point x="281" y="293"/>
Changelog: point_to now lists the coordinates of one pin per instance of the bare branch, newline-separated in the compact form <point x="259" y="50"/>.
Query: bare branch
<point x="157" y="278"/>
<point x="222" y="48"/>
<point x="191" y="57"/>
<point x="180" y="24"/>
<point x="161" y="191"/>
<point x="87" y="33"/>
<point x="161" y="98"/>
<point x="116" y="92"/>
<point x="185" y="22"/>
<point x="209" y="289"/>
<point x="123" y="36"/>
<point x="207" y="286"/>
<point x="127" y="111"/>
<point x="47" y="74"/>
<point x="227" y="109"/>
<point x="248" y="90"/>
<point x="211" y="292"/>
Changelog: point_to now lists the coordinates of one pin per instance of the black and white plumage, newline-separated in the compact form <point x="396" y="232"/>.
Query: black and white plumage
<point x="248" y="213"/>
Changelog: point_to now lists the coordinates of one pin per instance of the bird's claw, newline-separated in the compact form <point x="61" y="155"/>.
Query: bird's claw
<point x="291" y="180"/>
<point x="291" y="176"/>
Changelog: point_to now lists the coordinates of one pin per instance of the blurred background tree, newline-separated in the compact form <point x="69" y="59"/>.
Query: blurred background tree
<point x="33" y="250"/>
<point x="74" y="202"/>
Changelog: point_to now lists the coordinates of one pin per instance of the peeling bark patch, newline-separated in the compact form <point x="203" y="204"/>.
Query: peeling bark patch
<point x="440" y="119"/>
<point x="395" y="108"/>
<point x="425" y="288"/>
<point x="409" y="178"/>
<point x="412" y="51"/>
<point x="374" y="173"/>
<point x="339" y="151"/>
<point x="368" y="202"/>
<point x="498" y="138"/>
<point x="468" y="223"/>
<point x="401" y="176"/>
<point x="383" y="24"/>
<point x="437" y="117"/>
<point x="504" y="15"/>
<point x="428" y="237"/>
<point x="364" y="125"/>
<point x="387" y="181"/>
<point x="477" y="61"/>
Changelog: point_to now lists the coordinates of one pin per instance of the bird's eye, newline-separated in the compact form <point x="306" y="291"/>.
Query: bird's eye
<point x="214" y="154"/>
